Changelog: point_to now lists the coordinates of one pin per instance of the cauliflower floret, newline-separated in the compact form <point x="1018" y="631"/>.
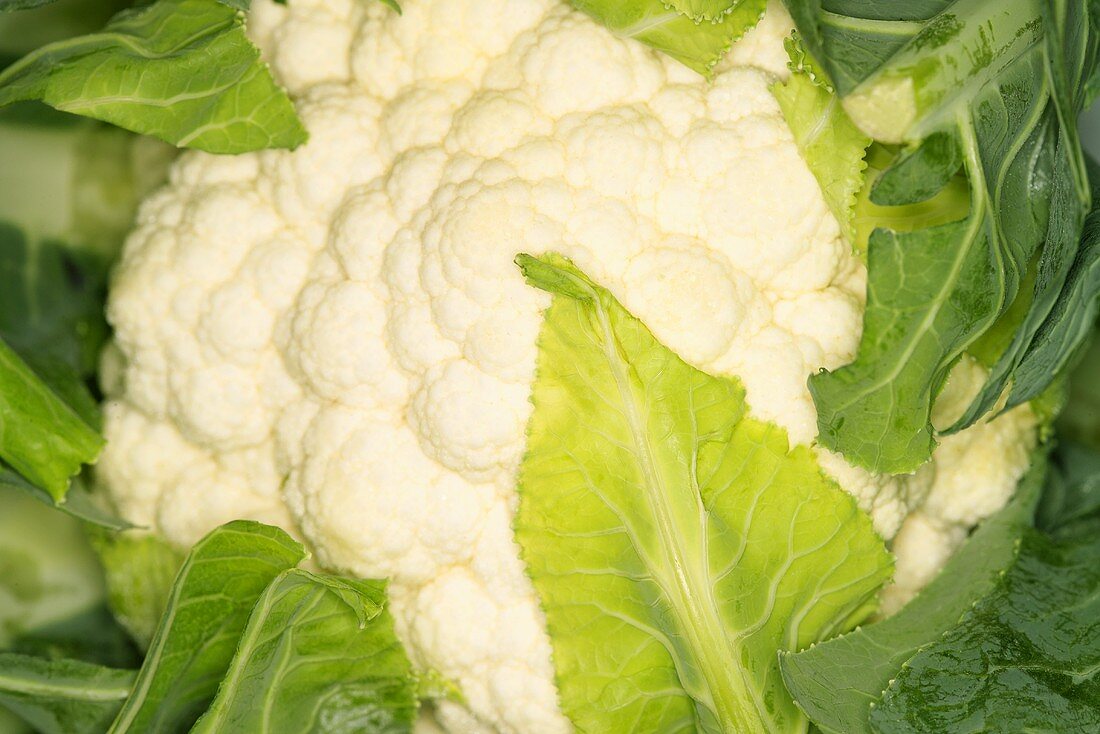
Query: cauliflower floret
<point x="336" y="339"/>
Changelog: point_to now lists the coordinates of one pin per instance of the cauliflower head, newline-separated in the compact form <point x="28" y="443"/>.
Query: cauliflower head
<point x="336" y="339"/>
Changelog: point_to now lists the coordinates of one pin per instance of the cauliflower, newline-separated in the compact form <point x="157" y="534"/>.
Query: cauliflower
<point x="336" y="340"/>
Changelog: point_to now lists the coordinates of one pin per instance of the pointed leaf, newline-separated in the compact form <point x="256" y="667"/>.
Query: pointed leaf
<point x="676" y="544"/>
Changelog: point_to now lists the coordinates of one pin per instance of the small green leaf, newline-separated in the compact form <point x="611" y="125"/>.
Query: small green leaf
<point x="215" y="590"/>
<point x="319" y="654"/>
<point x="62" y="696"/>
<point x="41" y="436"/>
<point x="699" y="46"/>
<point x="675" y="543"/>
<point x="919" y="173"/>
<point x="180" y="70"/>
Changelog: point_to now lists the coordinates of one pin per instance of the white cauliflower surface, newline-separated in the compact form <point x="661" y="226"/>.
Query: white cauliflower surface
<point x="336" y="339"/>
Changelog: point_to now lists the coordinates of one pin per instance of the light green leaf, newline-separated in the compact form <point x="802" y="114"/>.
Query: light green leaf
<point x="832" y="146"/>
<point x="705" y="10"/>
<point x="676" y="544"/>
<point x="41" y="436"/>
<point x="180" y="70"/>
<point x="140" y="569"/>
<point x="219" y="583"/>
<point x="62" y="696"/>
<point x="319" y="654"/>
<point x="837" y="682"/>
<point x="698" y="46"/>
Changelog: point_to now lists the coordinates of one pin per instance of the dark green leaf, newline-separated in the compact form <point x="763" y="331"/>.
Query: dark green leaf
<point x="62" y="696"/>
<point x="181" y="70"/>
<point x="838" y="681"/>
<point x="996" y="85"/>
<point x="1025" y="659"/>
<point x="319" y="655"/>
<point x="1068" y="277"/>
<point x="219" y="583"/>
<point x="1068" y="324"/>
<point x="918" y="174"/>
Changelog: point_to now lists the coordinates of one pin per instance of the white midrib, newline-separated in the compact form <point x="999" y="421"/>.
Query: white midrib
<point x="691" y="590"/>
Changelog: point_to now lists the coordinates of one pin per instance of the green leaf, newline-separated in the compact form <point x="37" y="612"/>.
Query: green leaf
<point x="837" y="682"/>
<point x="1073" y="310"/>
<point x="997" y="86"/>
<point x="183" y="71"/>
<point x="1025" y="658"/>
<point x="219" y="583"/>
<point x="704" y="10"/>
<point x="919" y="173"/>
<point x="675" y="543"/>
<point x="43" y="438"/>
<point x="140" y="569"/>
<point x="831" y="145"/>
<point x="699" y="46"/>
<point x="62" y="696"/>
<point x="319" y="654"/>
